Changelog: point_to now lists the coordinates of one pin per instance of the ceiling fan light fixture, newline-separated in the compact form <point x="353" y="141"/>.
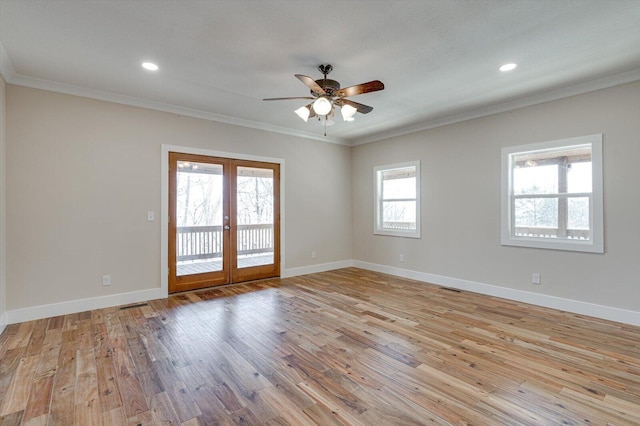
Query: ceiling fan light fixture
<point x="322" y="106"/>
<point x="327" y="95"/>
<point x="348" y="112"/>
<point x="303" y="112"/>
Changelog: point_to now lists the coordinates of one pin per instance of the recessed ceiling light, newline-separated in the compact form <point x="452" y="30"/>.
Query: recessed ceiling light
<point x="149" y="66"/>
<point x="508" y="67"/>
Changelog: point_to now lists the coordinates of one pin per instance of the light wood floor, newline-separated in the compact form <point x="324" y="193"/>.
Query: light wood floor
<point x="341" y="347"/>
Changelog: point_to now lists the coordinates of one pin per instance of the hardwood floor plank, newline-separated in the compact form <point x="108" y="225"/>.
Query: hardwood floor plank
<point x="181" y="399"/>
<point x="346" y="414"/>
<point x="212" y="409"/>
<point x="133" y="398"/>
<point x="37" y="421"/>
<point x="86" y="376"/>
<point x="162" y="410"/>
<point x="114" y="417"/>
<point x="287" y="410"/>
<point x="36" y="340"/>
<point x="62" y="408"/>
<point x="22" y="336"/>
<point x="13" y="419"/>
<point x="8" y="333"/>
<point x="141" y="419"/>
<point x="88" y="413"/>
<point x="39" y="398"/>
<point x="8" y="367"/>
<point x="18" y="392"/>
<point x="344" y="347"/>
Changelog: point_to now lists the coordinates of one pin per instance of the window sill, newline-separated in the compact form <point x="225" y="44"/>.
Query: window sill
<point x="554" y="244"/>
<point x="396" y="233"/>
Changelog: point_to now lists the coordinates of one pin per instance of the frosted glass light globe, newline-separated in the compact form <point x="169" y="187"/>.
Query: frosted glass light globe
<point x="322" y="106"/>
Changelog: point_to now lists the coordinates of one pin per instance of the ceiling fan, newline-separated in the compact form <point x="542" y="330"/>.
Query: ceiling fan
<point x="327" y="94"/>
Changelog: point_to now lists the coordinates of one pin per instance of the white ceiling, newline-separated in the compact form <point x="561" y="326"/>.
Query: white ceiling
<point x="438" y="59"/>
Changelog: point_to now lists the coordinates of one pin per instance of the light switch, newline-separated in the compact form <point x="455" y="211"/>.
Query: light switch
<point x="151" y="216"/>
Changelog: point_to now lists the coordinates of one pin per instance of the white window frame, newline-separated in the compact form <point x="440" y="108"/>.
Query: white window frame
<point x="595" y="244"/>
<point x="378" y="229"/>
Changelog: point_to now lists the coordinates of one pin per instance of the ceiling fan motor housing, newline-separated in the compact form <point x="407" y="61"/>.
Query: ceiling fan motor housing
<point x="328" y="85"/>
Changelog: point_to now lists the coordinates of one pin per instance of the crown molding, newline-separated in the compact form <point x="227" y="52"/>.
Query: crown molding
<point x="69" y="89"/>
<point x="539" y="98"/>
<point x="10" y="76"/>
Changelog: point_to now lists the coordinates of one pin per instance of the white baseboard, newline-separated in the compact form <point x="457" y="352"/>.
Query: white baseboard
<point x="81" y="305"/>
<point x="568" y="305"/>
<point x="3" y="322"/>
<point x="313" y="269"/>
<point x="63" y="308"/>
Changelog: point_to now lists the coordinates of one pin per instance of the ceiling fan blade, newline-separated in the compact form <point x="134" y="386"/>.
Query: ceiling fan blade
<point x="359" y="89"/>
<point x="311" y="84"/>
<point x="363" y="109"/>
<point x="286" y="99"/>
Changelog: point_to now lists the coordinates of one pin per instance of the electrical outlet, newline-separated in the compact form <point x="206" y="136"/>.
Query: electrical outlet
<point x="535" y="278"/>
<point x="313" y="254"/>
<point x="402" y="258"/>
<point x="106" y="280"/>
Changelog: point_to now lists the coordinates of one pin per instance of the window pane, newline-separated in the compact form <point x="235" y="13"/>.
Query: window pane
<point x="399" y="188"/>
<point x="535" y="179"/>
<point x="399" y="214"/>
<point x="578" y="213"/>
<point x="579" y="177"/>
<point x="536" y="212"/>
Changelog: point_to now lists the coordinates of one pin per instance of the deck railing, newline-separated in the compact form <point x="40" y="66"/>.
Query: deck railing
<point x="399" y="225"/>
<point x="539" y="232"/>
<point x="205" y="242"/>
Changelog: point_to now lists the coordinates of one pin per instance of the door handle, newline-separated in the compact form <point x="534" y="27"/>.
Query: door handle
<point x="227" y="227"/>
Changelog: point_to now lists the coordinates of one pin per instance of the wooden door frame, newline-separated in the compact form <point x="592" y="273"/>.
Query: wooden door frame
<point x="164" y="199"/>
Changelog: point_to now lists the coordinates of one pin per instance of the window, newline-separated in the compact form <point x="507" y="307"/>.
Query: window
<point x="552" y="195"/>
<point x="397" y="204"/>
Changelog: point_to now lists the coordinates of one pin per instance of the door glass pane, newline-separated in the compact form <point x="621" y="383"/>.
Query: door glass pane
<point x="255" y="216"/>
<point x="199" y="214"/>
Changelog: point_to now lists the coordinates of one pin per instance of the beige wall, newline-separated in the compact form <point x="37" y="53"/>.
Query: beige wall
<point x="460" y="167"/>
<point x="3" y="263"/>
<point x="82" y="175"/>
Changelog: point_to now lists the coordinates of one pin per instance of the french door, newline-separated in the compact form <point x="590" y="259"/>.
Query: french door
<point x="224" y="221"/>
